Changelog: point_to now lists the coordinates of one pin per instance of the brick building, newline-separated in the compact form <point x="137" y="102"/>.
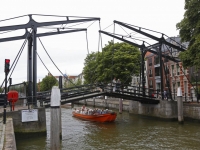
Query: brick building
<point x="174" y="75"/>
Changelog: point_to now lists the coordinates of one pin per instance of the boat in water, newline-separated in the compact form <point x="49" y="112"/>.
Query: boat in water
<point x="106" y="116"/>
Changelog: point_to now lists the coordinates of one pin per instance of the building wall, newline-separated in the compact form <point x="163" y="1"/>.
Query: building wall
<point x="28" y="127"/>
<point x="177" y="76"/>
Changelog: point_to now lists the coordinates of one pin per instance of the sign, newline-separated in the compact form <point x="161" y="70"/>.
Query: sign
<point x="29" y="115"/>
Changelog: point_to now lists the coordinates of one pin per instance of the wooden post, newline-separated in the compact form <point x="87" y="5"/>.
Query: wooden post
<point x="120" y="105"/>
<point x="55" y="124"/>
<point x="93" y="101"/>
<point x="180" y="105"/>
<point x="106" y="107"/>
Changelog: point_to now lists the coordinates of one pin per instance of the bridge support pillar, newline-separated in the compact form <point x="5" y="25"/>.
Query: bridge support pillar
<point x="120" y="105"/>
<point x="180" y="105"/>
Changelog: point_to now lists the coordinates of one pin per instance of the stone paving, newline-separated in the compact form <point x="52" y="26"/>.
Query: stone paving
<point x="2" y="133"/>
<point x="7" y="136"/>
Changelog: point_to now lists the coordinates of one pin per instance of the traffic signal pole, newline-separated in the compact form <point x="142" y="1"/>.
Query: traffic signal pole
<point x="6" y="69"/>
<point x="5" y="99"/>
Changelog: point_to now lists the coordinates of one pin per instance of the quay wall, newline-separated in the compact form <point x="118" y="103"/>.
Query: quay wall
<point x="165" y="109"/>
<point x="28" y="127"/>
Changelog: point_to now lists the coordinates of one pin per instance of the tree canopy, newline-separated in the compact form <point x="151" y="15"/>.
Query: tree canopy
<point x="120" y="60"/>
<point x="47" y="83"/>
<point x="189" y="30"/>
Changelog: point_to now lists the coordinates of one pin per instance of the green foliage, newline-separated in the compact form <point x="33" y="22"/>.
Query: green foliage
<point x="120" y="60"/>
<point x="190" y="32"/>
<point x="47" y="83"/>
<point x="1" y="90"/>
<point x="70" y="83"/>
<point x="90" y="66"/>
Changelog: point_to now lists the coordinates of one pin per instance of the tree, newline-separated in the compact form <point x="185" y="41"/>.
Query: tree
<point x="90" y="66"/>
<point x="47" y="83"/>
<point x="190" y="32"/>
<point x="120" y="60"/>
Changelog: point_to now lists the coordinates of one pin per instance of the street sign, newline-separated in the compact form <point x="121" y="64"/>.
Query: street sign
<point x="29" y="115"/>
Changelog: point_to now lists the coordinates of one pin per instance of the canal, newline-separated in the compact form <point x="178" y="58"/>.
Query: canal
<point x="128" y="132"/>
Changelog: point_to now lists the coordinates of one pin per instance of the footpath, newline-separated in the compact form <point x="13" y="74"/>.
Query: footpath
<point x="7" y="135"/>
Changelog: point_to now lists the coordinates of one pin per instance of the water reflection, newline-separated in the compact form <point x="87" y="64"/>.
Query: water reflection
<point x="127" y="132"/>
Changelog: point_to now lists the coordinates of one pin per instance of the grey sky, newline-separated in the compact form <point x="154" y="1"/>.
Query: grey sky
<point x="69" y="50"/>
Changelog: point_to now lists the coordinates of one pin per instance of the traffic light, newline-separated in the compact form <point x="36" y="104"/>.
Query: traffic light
<point x="7" y="65"/>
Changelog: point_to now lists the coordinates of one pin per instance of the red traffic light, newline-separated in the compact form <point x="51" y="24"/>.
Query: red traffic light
<point x="7" y="61"/>
<point x="7" y="65"/>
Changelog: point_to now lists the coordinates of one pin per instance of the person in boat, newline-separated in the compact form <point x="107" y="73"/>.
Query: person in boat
<point x="83" y="108"/>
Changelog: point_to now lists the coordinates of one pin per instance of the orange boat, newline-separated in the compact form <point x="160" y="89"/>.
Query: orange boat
<point x="108" y="117"/>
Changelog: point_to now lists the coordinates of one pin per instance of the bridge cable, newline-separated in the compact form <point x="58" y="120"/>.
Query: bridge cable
<point x="13" y="18"/>
<point x="17" y="57"/>
<point x="54" y="63"/>
<point x="108" y="26"/>
<point x="43" y="63"/>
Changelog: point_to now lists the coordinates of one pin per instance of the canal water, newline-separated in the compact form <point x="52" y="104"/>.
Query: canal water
<point x="128" y="132"/>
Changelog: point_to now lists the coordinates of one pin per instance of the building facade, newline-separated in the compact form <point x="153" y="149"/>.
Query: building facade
<point x="174" y="75"/>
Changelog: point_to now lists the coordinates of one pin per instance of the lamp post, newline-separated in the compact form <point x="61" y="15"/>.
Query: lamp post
<point x="174" y="86"/>
<point x="196" y="75"/>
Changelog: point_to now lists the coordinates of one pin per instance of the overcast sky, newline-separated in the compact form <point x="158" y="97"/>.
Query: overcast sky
<point x="68" y="51"/>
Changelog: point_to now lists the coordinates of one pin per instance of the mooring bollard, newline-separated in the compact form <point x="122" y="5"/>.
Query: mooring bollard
<point x="180" y="105"/>
<point x="55" y="124"/>
<point x="120" y="105"/>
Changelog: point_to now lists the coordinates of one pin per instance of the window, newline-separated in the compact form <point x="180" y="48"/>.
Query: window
<point x="150" y="61"/>
<point x="166" y="69"/>
<point x="172" y="66"/>
<point x="177" y="69"/>
<point x="156" y="61"/>
<point x="150" y="73"/>
<point x="178" y="84"/>
<point x="150" y="84"/>
<point x="157" y="71"/>
<point x="166" y="60"/>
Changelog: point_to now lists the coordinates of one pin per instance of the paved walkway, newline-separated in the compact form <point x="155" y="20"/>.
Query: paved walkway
<point x="2" y="133"/>
<point x="7" y="136"/>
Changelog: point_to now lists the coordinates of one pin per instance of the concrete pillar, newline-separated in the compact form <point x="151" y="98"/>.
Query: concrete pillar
<point x="120" y="105"/>
<point x="55" y="124"/>
<point x="180" y="105"/>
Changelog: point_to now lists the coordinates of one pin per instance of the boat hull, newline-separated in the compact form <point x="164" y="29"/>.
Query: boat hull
<point x="109" y="117"/>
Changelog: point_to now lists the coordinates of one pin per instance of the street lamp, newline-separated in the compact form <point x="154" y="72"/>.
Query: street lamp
<point x="196" y="75"/>
<point x="174" y="86"/>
